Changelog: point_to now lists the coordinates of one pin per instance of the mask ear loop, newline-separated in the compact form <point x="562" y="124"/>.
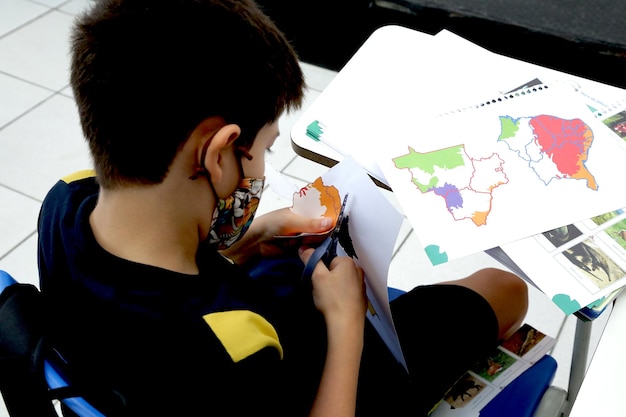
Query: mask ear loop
<point x="242" y="152"/>
<point x="202" y="170"/>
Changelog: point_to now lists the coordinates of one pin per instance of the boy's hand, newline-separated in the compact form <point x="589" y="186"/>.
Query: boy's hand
<point x="338" y="291"/>
<point x="260" y="239"/>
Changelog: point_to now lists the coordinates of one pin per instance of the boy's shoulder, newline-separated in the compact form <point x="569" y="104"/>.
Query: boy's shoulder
<point x="72" y="188"/>
<point x="61" y="206"/>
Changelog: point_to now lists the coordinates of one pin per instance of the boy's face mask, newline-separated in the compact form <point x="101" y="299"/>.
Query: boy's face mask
<point x="233" y="215"/>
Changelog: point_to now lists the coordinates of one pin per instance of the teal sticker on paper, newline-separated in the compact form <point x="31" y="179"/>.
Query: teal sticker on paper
<point x="565" y="303"/>
<point x="314" y="130"/>
<point x="596" y="303"/>
<point x="435" y="255"/>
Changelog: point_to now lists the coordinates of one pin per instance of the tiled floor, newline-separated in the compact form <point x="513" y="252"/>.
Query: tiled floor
<point x="40" y="140"/>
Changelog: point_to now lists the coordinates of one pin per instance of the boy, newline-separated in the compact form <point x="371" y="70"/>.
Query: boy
<point x="163" y="304"/>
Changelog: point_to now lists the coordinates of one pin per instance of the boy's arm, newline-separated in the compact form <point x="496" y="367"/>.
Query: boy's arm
<point x="336" y="395"/>
<point x="260" y="239"/>
<point x="339" y="294"/>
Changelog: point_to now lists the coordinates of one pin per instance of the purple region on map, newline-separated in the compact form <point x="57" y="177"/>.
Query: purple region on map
<point x="451" y="195"/>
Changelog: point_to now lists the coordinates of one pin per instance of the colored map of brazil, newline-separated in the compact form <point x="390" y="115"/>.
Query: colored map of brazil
<point x="554" y="148"/>
<point x="465" y="183"/>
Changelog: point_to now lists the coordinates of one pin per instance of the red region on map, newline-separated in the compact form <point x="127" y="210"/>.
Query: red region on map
<point x="566" y="142"/>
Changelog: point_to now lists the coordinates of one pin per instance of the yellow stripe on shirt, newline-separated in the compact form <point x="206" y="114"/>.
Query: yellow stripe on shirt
<point x="243" y="332"/>
<point x="79" y="175"/>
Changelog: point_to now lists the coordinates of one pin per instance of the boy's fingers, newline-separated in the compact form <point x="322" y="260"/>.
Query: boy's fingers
<point x="304" y="224"/>
<point x="305" y="253"/>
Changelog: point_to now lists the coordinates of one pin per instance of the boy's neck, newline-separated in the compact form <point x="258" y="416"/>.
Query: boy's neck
<point x="148" y="225"/>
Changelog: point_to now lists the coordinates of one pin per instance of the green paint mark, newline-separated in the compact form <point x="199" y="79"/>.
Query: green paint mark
<point x="426" y="187"/>
<point x="447" y="158"/>
<point x="509" y="126"/>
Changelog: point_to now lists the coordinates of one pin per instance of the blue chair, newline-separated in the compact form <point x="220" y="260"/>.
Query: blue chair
<point x="29" y="378"/>
<point x="78" y="405"/>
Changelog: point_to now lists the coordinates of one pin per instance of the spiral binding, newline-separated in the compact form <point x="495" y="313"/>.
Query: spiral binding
<point x="524" y="91"/>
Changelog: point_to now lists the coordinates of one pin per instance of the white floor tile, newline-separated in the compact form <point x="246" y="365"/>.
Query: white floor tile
<point x="21" y="262"/>
<point x="282" y="153"/>
<point x="18" y="97"/>
<point x="49" y="3"/>
<point x="41" y="147"/>
<point x="15" y="13"/>
<point x="18" y="219"/>
<point x="304" y="169"/>
<point x="75" y="7"/>
<point x="67" y="92"/>
<point x="271" y="201"/>
<point x="38" y="52"/>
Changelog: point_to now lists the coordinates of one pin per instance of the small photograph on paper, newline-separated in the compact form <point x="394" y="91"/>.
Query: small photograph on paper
<point x="561" y="235"/>
<point x="464" y="391"/>
<point x="607" y="217"/>
<point x="617" y="124"/>
<point x="593" y="264"/>
<point x="494" y="366"/>
<point x="616" y="232"/>
<point x="523" y="341"/>
<point x="618" y="237"/>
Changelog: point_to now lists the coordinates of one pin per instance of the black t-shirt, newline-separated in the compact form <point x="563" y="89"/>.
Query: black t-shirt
<point x="219" y="342"/>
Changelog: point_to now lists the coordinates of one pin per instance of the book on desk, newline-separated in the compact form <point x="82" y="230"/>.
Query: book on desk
<point x="474" y="158"/>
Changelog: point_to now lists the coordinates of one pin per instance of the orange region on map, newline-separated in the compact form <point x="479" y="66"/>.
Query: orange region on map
<point x="329" y="198"/>
<point x="318" y="199"/>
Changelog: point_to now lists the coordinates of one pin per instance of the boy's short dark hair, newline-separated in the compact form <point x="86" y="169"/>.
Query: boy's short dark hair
<point x="145" y="73"/>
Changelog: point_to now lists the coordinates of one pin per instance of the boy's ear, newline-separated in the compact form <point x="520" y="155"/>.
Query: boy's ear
<point x="218" y="156"/>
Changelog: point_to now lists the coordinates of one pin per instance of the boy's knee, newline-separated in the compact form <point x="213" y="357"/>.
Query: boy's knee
<point x="510" y="289"/>
<point x="511" y="282"/>
<point x="510" y="301"/>
<point x="517" y="289"/>
<point x="505" y="292"/>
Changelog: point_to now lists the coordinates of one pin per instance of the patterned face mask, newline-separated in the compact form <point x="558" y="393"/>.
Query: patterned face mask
<point x="232" y="216"/>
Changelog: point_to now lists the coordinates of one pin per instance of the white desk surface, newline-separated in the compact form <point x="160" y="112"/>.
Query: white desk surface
<point x="602" y="391"/>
